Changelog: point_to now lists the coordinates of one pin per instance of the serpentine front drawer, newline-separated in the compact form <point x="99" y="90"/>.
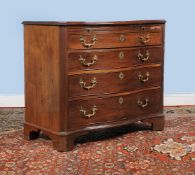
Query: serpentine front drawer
<point x="113" y="58"/>
<point x="113" y="40"/>
<point x="86" y="112"/>
<point x="113" y="81"/>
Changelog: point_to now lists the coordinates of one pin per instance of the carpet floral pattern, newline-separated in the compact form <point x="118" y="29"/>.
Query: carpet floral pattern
<point x="132" y="150"/>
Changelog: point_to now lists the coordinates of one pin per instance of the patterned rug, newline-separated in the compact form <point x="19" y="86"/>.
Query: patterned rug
<point x="11" y="119"/>
<point x="132" y="150"/>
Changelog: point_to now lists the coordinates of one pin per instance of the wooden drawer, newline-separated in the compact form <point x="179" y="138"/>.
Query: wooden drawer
<point x="106" y="39"/>
<point x="115" y="81"/>
<point x="114" y="108"/>
<point x="113" y="58"/>
<point x="127" y="28"/>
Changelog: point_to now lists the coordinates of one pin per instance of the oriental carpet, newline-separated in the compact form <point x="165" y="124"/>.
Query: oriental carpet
<point x="128" y="150"/>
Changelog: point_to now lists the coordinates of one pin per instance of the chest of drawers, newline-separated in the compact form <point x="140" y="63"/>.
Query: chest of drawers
<point x="84" y="76"/>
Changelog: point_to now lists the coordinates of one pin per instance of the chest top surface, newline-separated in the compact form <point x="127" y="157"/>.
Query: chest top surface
<point x="83" y="23"/>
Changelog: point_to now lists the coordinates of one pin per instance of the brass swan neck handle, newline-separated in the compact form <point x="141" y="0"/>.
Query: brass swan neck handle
<point x="88" y="45"/>
<point x="84" y="63"/>
<point x="143" y="103"/>
<point x="84" y="86"/>
<point x="144" y="40"/>
<point x="84" y="112"/>
<point x="143" y="58"/>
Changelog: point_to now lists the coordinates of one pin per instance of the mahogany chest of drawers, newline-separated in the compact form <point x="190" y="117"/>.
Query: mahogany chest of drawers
<point x="85" y="76"/>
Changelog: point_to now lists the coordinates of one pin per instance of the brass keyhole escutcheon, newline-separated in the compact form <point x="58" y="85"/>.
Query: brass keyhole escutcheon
<point x="121" y="75"/>
<point x="121" y="55"/>
<point x="122" y="38"/>
<point x="120" y="100"/>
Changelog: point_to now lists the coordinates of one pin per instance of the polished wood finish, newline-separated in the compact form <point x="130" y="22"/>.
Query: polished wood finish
<point x="110" y="108"/>
<point x="43" y="97"/>
<point x="116" y="84"/>
<point x="129" y="58"/>
<point x="61" y="61"/>
<point x="112" y="40"/>
<point x="117" y="29"/>
<point x="83" y="23"/>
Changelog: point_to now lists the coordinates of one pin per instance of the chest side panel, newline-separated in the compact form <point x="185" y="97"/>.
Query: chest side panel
<point x="42" y="76"/>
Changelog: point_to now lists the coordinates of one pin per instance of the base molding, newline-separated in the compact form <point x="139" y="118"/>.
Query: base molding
<point x="65" y="141"/>
<point x="169" y="100"/>
<point x="103" y="125"/>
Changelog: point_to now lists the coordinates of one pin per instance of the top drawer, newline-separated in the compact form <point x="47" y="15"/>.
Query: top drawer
<point x="102" y="37"/>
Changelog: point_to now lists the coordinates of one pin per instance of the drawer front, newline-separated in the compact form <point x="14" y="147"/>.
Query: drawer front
<point x="128" y="28"/>
<point x="115" y="108"/>
<point x="113" y="58"/>
<point x="113" y="40"/>
<point x="114" y="82"/>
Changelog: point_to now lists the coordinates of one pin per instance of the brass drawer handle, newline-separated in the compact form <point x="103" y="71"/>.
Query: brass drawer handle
<point x="144" y="78"/>
<point x="145" y="40"/>
<point x="143" y="58"/>
<point x="143" y="103"/>
<point x="83" y="61"/>
<point x="84" y="112"/>
<point x="84" y="86"/>
<point x="88" y="45"/>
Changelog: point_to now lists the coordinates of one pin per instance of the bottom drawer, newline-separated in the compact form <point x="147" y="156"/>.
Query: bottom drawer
<point x="113" y="108"/>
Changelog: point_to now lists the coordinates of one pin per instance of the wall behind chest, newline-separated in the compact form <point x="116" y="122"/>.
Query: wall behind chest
<point x="179" y="55"/>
